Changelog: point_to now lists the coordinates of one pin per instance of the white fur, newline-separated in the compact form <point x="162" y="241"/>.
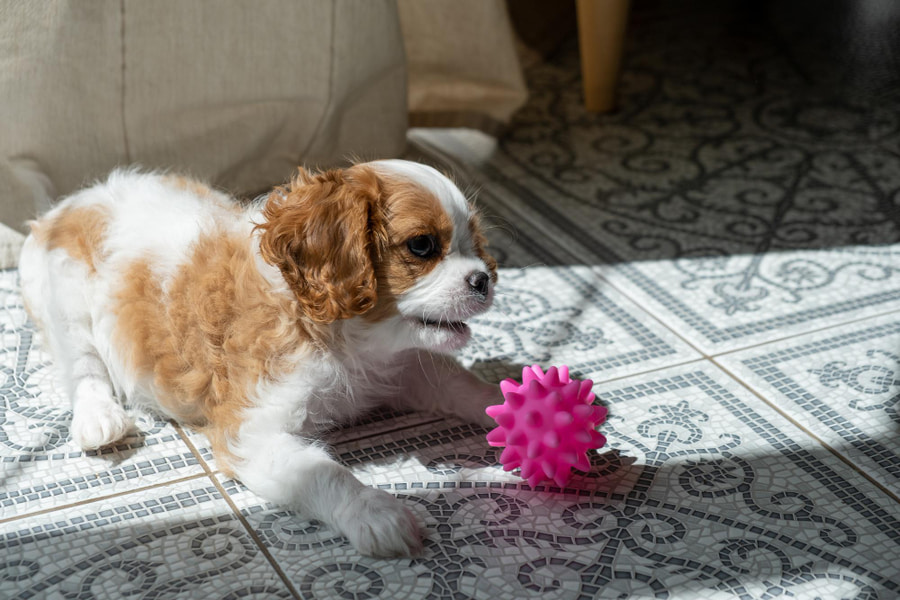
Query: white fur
<point x="390" y="361"/>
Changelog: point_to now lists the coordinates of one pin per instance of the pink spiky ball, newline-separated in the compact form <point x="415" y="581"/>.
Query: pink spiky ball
<point x="547" y="424"/>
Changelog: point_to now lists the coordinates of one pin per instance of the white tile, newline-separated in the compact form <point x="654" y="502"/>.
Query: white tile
<point x="568" y="316"/>
<point x="842" y="384"/>
<point x="180" y="541"/>
<point x="722" y="303"/>
<point x="712" y="494"/>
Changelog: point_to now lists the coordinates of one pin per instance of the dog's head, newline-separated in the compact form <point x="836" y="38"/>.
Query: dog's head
<point x="393" y="243"/>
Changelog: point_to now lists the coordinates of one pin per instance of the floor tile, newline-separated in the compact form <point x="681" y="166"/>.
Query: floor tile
<point x="712" y="494"/>
<point x="728" y="302"/>
<point x="567" y="315"/>
<point x="180" y="541"/>
<point x="841" y="384"/>
<point x="730" y="201"/>
<point x="713" y="290"/>
<point x="39" y="464"/>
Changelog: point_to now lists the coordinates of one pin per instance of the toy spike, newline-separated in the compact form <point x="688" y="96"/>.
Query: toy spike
<point x="508" y="385"/>
<point x="510" y="458"/>
<point x="515" y="400"/>
<point x="506" y="420"/>
<point x="584" y="392"/>
<point x="532" y="374"/>
<point x="552" y="375"/>
<point x="547" y="424"/>
<point x="497" y="437"/>
<point x="561" y="419"/>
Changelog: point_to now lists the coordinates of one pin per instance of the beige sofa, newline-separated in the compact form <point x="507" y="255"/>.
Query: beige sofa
<point x="235" y="92"/>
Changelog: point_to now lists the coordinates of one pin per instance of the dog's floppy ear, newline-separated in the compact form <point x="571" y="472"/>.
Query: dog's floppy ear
<point x="324" y="232"/>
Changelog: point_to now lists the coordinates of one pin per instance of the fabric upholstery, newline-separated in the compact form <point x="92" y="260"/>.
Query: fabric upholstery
<point x="238" y="93"/>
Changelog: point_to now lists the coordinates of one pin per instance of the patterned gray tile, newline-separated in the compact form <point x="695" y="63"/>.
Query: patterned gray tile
<point x="39" y="464"/>
<point x="728" y="302"/>
<point x="181" y="541"/>
<point x="733" y="204"/>
<point x="726" y="199"/>
<point x="568" y="315"/>
<point x="710" y="494"/>
<point x="714" y="290"/>
<point x="842" y="384"/>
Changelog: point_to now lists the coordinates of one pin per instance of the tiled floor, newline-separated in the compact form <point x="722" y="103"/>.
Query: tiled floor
<point x="722" y="257"/>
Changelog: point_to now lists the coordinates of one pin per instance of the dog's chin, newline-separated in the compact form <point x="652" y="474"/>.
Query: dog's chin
<point x="440" y="335"/>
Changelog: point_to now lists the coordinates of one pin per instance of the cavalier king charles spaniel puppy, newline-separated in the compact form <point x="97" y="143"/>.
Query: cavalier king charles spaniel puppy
<point x="263" y="325"/>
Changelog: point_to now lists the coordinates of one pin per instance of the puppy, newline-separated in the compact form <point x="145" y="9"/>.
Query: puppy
<point x="264" y="325"/>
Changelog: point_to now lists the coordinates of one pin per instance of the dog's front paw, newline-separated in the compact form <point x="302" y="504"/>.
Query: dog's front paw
<point x="99" y="424"/>
<point x="377" y="524"/>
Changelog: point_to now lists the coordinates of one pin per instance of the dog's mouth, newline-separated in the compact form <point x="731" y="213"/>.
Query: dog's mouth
<point x="444" y="325"/>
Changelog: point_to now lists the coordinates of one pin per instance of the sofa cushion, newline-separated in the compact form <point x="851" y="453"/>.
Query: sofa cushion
<point x="237" y="93"/>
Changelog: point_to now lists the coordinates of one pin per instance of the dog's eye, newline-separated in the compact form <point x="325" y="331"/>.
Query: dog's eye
<point x="423" y="246"/>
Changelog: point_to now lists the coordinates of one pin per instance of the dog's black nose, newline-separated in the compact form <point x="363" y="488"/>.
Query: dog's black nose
<point x="479" y="281"/>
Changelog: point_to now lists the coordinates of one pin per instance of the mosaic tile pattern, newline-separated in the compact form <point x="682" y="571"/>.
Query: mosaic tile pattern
<point x="721" y="257"/>
<point x="842" y="384"/>
<point x="180" y="541"/>
<point x="568" y="314"/>
<point x="714" y="500"/>
<point x="718" y="198"/>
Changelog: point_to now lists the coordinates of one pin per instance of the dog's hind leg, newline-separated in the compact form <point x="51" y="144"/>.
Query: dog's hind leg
<point x="58" y="296"/>
<point x="97" y="418"/>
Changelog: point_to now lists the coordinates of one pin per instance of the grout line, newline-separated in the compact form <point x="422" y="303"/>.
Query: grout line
<point x="256" y="539"/>
<point x="230" y="502"/>
<point x="846" y="460"/>
<point x="104" y="497"/>
<point x="806" y="333"/>
<point x="385" y="432"/>
<point x="714" y="354"/>
<point x="640" y="306"/>
<point x="187" y="441"/>
<point x="617" y="378"/>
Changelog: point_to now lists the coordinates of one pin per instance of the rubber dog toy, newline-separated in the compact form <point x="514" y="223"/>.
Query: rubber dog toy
<point x="547" y="424"/>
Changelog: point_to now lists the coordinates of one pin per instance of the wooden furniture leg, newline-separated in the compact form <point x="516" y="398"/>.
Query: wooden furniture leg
<point x="601" y="38"/>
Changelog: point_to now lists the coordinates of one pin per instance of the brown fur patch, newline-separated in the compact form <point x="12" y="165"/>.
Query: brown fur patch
<point x="211" y="338"/>
<point x="325" y="233"/>
<point x="340" y="240"/>
<point x="410" y="210"/>
<point x="78" y="230"/>
<point x="188" y="184"/>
